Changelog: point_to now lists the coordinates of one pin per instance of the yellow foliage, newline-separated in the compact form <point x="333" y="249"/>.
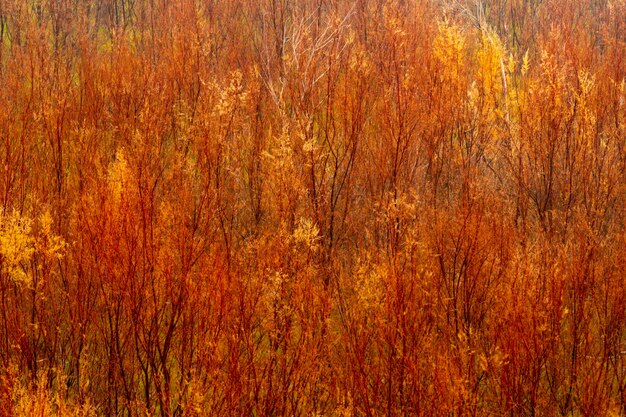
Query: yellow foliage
<point x="525" y="63"/>
<point x="118" y="175"/>
<point x="49" y="244"/>
<point x="196" y="398"/>
<point x="369" y="285"/>
<point x="490" y="58"/>
<point x="41" y="402"/>
<point x="307" y="233"/>
<point x="360" y="62"/>
<point x="586" y="82"/>
<point x="233" y="96"/>
<point x="449" y="49"/>
<point x="16" y="245"/>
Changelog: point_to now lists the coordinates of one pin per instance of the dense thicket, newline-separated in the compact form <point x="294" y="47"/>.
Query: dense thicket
<point x="313" y="207"/>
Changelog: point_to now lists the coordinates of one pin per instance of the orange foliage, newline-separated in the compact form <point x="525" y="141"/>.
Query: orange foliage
<point x="312" y="207"/>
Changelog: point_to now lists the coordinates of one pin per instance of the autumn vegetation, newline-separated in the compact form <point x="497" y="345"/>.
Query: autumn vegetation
<point x="312" y="208"/>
